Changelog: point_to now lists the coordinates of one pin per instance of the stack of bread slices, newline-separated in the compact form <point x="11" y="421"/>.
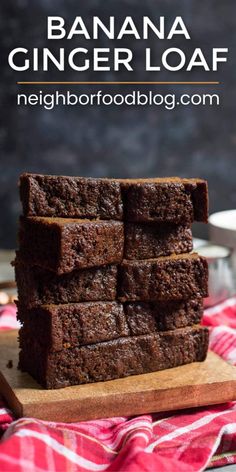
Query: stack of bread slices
<point x="107" y="284"/>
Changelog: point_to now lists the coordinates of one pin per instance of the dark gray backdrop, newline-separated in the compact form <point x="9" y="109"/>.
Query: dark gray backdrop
<point x="119" y="142"/>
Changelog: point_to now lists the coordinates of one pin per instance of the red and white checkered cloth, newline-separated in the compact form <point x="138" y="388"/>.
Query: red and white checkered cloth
<point x="184" y="441"/>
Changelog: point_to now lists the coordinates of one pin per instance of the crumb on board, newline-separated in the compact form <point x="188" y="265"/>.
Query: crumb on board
<point x="10" y="364"/>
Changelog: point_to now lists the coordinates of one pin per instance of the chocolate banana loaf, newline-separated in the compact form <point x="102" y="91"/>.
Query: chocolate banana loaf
<point x="37" y="286"/>
<point x="177" y="277"/>
<point x="73" y="197"/>
<point x="62" y="245"/>
<point x="76" y="324"/>
<point x="172" y="200"/>
<point x="144" y="317"/>
<point x="162" y="199"/>
<point x="61" y="326"/>
<point x="112" y="359"/>
<point x="151" y="240"/>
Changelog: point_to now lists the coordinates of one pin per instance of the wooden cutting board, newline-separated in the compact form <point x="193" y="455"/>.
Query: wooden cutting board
<point x="198" y="384"/>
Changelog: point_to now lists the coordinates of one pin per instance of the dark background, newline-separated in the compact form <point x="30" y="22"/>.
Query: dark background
<point x="121" y="141"/>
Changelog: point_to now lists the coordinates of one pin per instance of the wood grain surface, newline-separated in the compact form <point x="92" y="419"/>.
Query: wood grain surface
<point x="198" y="384"/>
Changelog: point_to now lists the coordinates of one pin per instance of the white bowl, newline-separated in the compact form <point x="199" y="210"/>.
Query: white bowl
<point x="221" y="279"/>
<point x="222" y="228"/>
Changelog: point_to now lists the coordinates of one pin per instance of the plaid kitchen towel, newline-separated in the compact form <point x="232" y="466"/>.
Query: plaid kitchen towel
<point x="184" y="441"/>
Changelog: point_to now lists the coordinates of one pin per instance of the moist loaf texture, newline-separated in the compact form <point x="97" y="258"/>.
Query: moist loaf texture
<point x="62" y="326"/>
<point x="162" y="199"/>
<point x="144" y="318"/>
<point x="73" y="197"/>
<point x="113" y="359"/>
<point x="177" y="277"/>
<point x="37" y="286"/>
<point x="62" y="245"/>
<point x="165" y="200"/>
<point x="150" y="240"/>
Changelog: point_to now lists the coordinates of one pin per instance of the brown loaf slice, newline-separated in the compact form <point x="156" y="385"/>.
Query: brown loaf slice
<point x="113" y="359"/>
<point x="172" y="200"/>
<point x="73" y="197"/>
<point x="161" y="199"/>
<point x="151" y="240"/>
<point x="37" y="286"/>
<point x="76" y="324"/>
<point x="177" y="277"/>
<point x="62" y="245"/>
<point x="144" y="317"/>
<point x="70" y="325"/>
